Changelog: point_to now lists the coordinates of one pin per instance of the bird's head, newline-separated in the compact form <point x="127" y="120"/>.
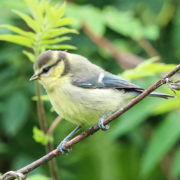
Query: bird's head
<point x="50" y="65"/>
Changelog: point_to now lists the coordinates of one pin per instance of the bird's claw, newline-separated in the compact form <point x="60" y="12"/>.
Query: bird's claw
<point x="14" y="174"/>
<point x="101" y="123"/>
<point x="62" y="148"/>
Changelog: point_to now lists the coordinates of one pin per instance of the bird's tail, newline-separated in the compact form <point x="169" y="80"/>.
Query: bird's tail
<point x="161" y="95"/>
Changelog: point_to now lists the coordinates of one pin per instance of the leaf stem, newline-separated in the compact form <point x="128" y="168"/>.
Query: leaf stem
<point x="43" y="126"/>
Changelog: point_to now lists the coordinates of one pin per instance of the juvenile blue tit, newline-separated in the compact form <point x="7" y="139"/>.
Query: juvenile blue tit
<point x="82" y="92"/>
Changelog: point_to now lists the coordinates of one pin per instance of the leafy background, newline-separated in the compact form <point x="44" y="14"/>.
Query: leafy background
<point x="144" y="142"/>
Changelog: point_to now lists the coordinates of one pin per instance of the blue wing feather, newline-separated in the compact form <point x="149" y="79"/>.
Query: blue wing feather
<point x="106" y="80"/>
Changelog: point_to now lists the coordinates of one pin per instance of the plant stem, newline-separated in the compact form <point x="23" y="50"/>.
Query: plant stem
<point x="40" y="109"/>
<point x="124" y="59"/>
<point x="53" y="126"/>
<point x="147" y="46"/>
<point x="43" y="126"/>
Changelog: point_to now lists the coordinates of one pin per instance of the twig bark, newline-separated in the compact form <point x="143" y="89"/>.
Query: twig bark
<point x="124" y="59"/>
<point x="42" y="121"/>
<point x="83" y="135"/>
<point x="147" y="46"/>
<point x="53" y="126"/>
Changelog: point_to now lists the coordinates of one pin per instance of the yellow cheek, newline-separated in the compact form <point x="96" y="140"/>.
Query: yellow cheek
<point x="57" y="70"/>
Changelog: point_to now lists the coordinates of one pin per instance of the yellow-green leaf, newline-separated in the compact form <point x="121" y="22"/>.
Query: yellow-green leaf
<point x="53" y="41"/>
<point x="36" y="10"/>
<point x="147" y="68"/>
<point x="52" y="33"/>
<point x="63" y="46"/>
<point x="17" y="39"/>
<point x="63" y="22"/>
<point x="40" y="137"/>
<point x="38" y="177"/>
<point x="29" y="21"/>
<point x="167" y="106"/>
<point x="18" y="30"/>
<point x="30" y="56"/>
<point x="43" y="98"/>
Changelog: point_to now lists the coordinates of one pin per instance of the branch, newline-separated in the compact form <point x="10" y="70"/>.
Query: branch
<point x="43" y="125"/>
<point x="124" y="59"/>
<point x="148" y="48"/>
<point x="53" y="126"/>
<point x="83" y="135"/>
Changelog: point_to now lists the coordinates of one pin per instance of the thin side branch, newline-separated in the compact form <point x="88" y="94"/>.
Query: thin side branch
<point x="43" y="125"/>
<point x="147" y="46"/>
<point x="53" y="125"/>
<point x="83" y="135"/>
<point x="124" y="59"/>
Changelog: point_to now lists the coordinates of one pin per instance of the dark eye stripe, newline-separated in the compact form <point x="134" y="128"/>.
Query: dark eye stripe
<point x="46" y="69"/>
<point x="61" y="57"/>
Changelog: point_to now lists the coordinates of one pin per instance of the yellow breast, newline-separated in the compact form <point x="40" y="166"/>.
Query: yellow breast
<point x="80" y="105"/>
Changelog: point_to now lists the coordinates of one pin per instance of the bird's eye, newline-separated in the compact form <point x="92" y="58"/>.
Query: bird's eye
<point x="45" y="69"/>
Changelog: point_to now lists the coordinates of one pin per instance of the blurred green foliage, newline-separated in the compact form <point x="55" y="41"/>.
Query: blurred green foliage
<point x="143" y="143"/>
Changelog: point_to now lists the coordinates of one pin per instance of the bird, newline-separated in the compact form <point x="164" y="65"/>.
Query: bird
<point x="82" y="92"/>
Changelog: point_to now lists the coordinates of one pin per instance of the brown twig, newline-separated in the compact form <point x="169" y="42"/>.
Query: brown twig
<point x="40" y="109"/>
<point x="147" y="46"/>
<point x="42" y="121"/>
<point x="124" y="59"/>
<point x="83" y="135"/>
<point x="53" y="125"/>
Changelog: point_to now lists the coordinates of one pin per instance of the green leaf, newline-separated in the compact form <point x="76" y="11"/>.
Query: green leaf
<point x="40" y="137"/>
<point x="53" y="14"/>
<point x="43" y="98"/>
<point x="87" y="14"/>
<point x="18" y="31"/>
<point x="94" y="19"/>
<point x="164" y="138"/>
<point x="175" y="168"/>
<point x="75" y="12"/>
<point x="3" y="148"/>
<point x="60" y="10"/>
<point x="63" y="46"/>
<point x="38" y="177"/>
<point x="52" y="33"/>
<point x="128" y="121"/>
<point x="15" y="113"/>
<point x="37" y="10"/>
<point x="29" y="21"/>
<point x="57" y="40"/>
<point x="17" y="39"/>
<point x="30" y="56"/>
<point x="147" y="68"/>
<point x="47" y="22"/>
<point x="175" y="36"/>
<point x="167" y="106"/>
<point x="127" y="25"/>
<point x="63" y="22"/>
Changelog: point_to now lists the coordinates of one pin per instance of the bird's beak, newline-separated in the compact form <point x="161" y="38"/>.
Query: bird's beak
<point x="34" y="77"/>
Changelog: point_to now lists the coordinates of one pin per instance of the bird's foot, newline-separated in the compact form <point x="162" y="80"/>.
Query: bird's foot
<point x="61" y="147"/>
<point x="101" y="123"/>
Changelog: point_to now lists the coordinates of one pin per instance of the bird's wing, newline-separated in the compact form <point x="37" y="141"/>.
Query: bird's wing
<point x="105" y="80"/>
